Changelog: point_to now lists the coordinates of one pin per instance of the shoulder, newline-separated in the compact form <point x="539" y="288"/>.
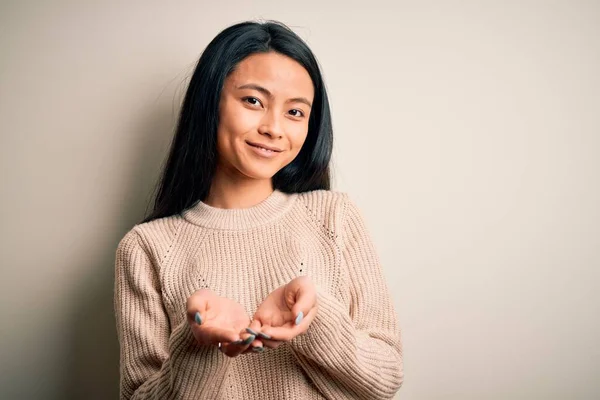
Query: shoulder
<point x="327" y="208"/>
<point x="154" y="238"/>
<point x="322" y="199"/>
<point x="334" y="212"/>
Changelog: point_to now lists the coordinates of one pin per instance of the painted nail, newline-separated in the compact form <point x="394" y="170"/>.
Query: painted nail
<point x="264" y="335"/>
<point x="198" y="318"/>
<point x="251" y="331"/>
<point x="299" y="317"/>
<point x="249" y="340"/>
<point x="258" y="349"/>
<point x="237" y="342"/>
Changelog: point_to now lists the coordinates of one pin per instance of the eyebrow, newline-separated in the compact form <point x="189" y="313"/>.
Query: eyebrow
<point x="269" y="94"/>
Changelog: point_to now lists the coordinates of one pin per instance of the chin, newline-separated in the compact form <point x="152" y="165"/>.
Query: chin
<point x="259" y="172"/>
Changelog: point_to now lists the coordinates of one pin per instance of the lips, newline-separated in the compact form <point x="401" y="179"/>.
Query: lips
<point x="264" y="146"/>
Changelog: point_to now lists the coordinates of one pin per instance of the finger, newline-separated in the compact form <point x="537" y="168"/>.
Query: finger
<point x="273" y="317"/>
<point x="306" y="299"/>
<point x="196" y="309"/>
<point x="196" y="314"/>
<point x="261" y="317"/>
<point x="271" y="344"/>
<point x="234" y="349"/>
<point x="230" y="350"/>
<point x="257" y="340"/>
<point x="282" y="333"/>
<point x="256" y="347"/>
<point x="255" y="329"/>
<point x="307" y="320"/>
<point x="245" y="340"/>
<point x="255" y="325"/>
<point x="214" y="335"/>
<point x="249" y="339"/>
<point x="288" y="331"/>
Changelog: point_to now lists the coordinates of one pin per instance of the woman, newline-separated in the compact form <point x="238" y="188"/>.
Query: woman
<point x="250" y="279"/>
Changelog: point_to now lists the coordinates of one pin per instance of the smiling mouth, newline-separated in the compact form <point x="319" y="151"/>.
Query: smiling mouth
<point x="263" y="148"/>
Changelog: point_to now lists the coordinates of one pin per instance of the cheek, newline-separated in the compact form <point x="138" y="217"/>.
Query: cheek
<point x="298" y="137"/>
<point x="235" y="121"/>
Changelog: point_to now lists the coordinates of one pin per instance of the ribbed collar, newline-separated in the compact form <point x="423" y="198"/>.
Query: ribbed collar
<point x="264" y="212"/>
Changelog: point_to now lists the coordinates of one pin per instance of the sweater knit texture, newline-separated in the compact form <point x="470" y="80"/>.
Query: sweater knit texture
<point x="352" y="349"/>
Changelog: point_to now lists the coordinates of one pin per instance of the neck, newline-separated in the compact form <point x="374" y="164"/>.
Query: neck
<point x="231" y="191"/>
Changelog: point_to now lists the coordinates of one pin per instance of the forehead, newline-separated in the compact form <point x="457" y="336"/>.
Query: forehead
<point x="278" y="73"/>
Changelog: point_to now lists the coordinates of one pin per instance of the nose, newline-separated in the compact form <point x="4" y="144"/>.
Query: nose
<point x="271" y="126"/>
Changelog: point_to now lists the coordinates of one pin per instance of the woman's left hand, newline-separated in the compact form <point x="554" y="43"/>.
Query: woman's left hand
<point x="286" y="313"/>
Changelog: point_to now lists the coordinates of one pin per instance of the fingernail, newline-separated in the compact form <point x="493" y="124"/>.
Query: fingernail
<point x="258" y="349"/>
<point x="198" y="318"/>
<point x="237" y="342"/>
<point x="249" y="340"/>
<point x="299" y="317"/>
<point x="251" y="331"/>
<point x="264" y="335"/>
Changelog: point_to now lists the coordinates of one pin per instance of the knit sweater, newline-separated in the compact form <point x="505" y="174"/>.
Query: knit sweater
<point x="351" y="350"/>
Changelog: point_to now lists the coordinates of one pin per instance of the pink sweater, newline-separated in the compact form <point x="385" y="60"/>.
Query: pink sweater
<point x="352" y="349"/>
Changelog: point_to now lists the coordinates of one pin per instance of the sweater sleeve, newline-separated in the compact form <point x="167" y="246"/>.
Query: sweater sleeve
<point x="155" y="362"/>
<point x="354" y="350"/>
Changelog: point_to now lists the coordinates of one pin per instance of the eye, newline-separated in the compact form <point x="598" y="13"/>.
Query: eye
<point x="252" y="100"/>
<point x="296" y="113"/>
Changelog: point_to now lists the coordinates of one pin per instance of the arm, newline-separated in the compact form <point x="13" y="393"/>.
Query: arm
<point x="155" y="362"/>
<point x="354" y="350"/>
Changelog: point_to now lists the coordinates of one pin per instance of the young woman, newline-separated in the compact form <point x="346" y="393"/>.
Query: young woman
<point x="251" y="279"/>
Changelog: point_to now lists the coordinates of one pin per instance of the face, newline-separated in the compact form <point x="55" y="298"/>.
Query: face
<point x="263" y="116"/>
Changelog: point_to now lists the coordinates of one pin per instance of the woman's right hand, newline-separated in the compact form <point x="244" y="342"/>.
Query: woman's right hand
<point x="214" y="319"/>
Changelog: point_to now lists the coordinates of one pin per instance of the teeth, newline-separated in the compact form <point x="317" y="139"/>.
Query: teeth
<point x="262" y="148"/>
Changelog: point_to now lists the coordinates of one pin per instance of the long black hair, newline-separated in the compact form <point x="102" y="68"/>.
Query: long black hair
<point x="188" y="173"/>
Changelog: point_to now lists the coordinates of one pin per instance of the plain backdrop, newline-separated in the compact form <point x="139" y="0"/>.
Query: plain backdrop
<point x="467" y="131"/>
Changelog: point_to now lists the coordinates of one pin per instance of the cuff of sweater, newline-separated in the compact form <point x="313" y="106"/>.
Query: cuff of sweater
<point x="204" y="364"/>
<point x="331" y="329"/>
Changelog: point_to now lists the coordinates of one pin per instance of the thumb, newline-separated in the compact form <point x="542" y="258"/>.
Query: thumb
<point x="305" y="301"/>
<point x="255" y="325"/>
<point x="196" y="308"/>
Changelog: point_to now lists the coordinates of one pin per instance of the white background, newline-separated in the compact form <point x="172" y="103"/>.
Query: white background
<point x="467" y="131"/>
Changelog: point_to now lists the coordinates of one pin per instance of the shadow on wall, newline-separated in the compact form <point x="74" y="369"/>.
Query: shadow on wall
<point x="93" y="362"/>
